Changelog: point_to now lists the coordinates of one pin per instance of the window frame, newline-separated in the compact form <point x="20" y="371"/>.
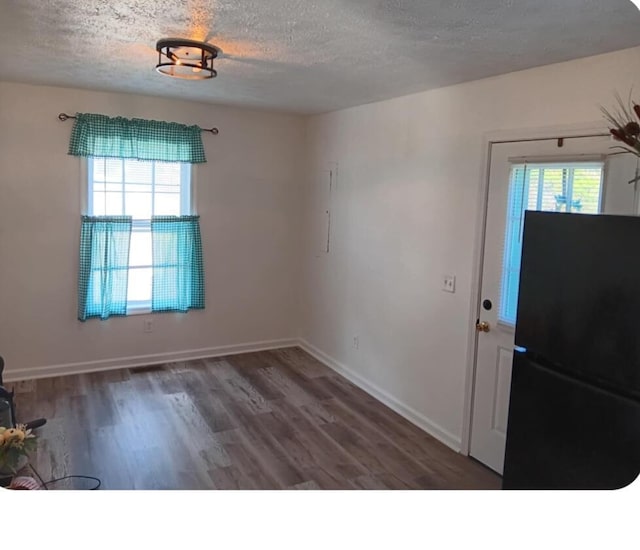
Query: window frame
<point x="187" y="207"/>
<point x="571" y="165"/>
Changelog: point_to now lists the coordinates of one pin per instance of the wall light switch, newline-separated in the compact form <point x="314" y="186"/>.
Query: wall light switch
<point x="449" y="283"/>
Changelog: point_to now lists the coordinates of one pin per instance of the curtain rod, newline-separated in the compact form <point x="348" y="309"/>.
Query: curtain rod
<point x="63" y="117"/>
<point x="560" y="139"/>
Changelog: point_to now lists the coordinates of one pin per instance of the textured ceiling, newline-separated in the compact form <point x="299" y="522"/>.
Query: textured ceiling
<point x="299" y="55"/>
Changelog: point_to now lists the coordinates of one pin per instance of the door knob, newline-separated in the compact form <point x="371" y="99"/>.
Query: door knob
<point x="482" y="326"/>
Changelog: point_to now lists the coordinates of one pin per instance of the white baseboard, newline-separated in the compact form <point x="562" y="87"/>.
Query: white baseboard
<point x="389" y="400"/>
<point x="143" y="360"/>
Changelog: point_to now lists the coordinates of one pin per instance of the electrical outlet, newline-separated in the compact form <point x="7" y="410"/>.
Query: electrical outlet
<point x="148" y="325"/>
<point x="449" y="283"/>
<point x="356" y="342"/>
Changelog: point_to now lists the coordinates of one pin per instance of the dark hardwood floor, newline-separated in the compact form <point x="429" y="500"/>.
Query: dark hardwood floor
<point x="267" y="420"/>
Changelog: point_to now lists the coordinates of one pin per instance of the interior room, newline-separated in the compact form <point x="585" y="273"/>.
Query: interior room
<point x="321" y="293"/>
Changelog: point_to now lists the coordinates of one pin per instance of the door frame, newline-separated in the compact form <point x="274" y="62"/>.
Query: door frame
<point x="488" y="141"/>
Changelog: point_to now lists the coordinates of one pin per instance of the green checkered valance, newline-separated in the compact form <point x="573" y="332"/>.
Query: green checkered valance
<point x="102" y="136"/>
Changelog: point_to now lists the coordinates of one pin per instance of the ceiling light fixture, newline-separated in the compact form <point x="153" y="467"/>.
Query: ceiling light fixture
<point x="187" y="59"/>
<point x="637" y="3"/>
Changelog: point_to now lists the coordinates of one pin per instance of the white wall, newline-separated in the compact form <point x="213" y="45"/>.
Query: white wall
<point x="405" y="211"/>
<point x="246" y="197"/>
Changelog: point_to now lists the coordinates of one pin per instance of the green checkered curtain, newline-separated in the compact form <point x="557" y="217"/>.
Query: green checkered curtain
<point x="104" y="266"/>
<point x="102" y="136"/>
<point x="178" y="272"/>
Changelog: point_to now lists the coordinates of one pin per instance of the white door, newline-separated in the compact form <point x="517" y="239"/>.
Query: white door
<point x="578" y="177"/>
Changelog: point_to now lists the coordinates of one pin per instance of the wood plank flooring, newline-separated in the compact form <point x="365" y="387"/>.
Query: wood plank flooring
<point x="267" y="420"/>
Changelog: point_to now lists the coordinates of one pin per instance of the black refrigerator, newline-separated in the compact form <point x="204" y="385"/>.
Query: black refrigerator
<point x="574" y="409"/>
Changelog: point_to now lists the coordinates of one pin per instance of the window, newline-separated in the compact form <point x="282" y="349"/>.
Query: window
<point x="140" y="246"/>
<point x="568" y="187"/>
<point x="140" y="189"/>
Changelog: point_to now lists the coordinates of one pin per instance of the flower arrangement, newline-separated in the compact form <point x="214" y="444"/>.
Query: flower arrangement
<point x="626" y="129"/>
<point x="15" y="443"/>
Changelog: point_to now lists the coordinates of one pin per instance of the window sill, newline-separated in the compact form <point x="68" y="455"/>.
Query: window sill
<point x="139" y="309"/>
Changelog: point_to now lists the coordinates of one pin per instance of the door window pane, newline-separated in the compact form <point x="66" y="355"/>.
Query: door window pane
<point x="572" y="187"/>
